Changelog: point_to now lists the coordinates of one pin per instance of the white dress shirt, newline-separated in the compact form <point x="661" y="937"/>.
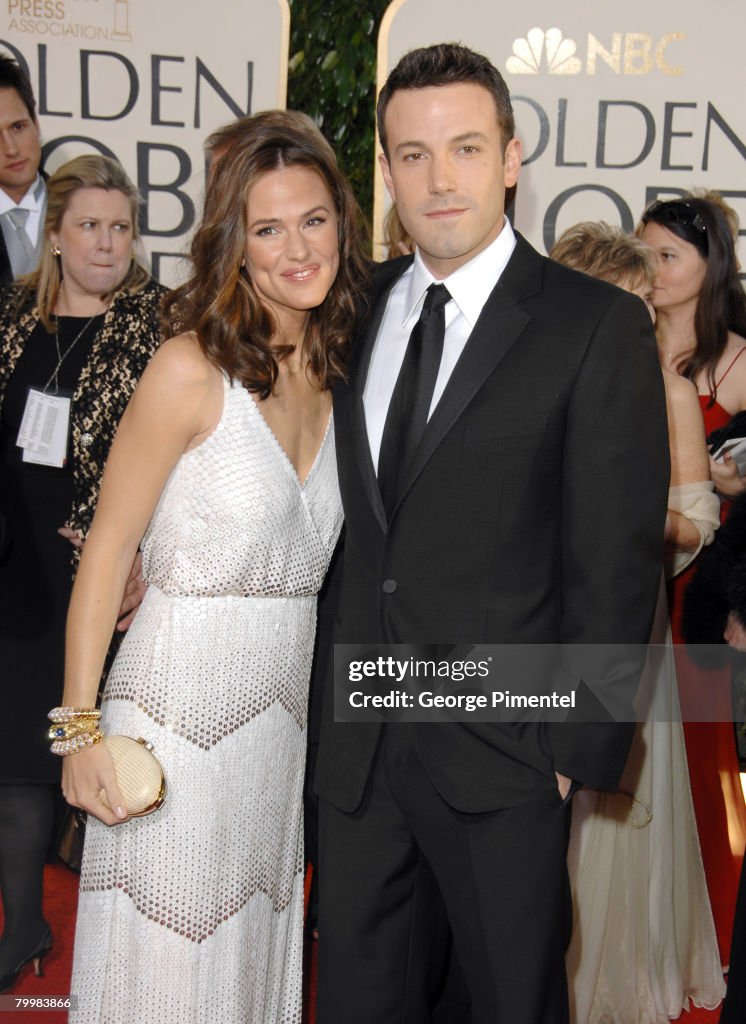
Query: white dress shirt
<point x="34" y="201"/>
<point x="469" y="286"/>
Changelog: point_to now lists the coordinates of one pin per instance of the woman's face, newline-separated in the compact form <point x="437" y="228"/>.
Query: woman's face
<point x="95" y="241"/>
<point x="644" y="291"/>
<point x="292" y="248"/>
<point x="680" y="270"/>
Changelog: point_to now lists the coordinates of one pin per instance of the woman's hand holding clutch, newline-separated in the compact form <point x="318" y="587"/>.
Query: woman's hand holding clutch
<point x="90" y="783"/>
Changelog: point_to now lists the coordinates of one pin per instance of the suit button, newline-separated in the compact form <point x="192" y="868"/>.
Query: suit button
<point x="389" y="586"/>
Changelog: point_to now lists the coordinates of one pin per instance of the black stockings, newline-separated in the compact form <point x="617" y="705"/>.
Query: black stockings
<point x="26" y="822"/>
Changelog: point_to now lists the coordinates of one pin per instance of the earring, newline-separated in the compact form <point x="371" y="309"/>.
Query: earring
<point x="55" y="250"/>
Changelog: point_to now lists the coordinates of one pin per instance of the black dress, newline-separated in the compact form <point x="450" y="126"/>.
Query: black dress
<point x="35" y="571"/>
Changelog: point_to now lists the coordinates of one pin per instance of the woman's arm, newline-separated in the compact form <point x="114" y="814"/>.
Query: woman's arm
<point x="176" y="404"/>
<point x="686" y="431"/>
<point x="689" y="461"/>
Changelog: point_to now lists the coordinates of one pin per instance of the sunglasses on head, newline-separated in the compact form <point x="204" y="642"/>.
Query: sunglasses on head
<point x="675" y="211"/>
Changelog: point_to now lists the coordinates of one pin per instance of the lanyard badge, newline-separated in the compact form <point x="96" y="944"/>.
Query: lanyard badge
<point x="46" y="418"/>
<point x="44" y="428"/>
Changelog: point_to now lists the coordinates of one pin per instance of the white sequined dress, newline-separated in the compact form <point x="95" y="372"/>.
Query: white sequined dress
<point x="193" y="914"/>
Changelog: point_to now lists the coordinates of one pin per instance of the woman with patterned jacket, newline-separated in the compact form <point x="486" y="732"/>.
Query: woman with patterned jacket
<point x="75" y="337"/>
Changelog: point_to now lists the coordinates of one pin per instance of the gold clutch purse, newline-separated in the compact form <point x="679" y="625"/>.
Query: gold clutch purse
<point x="139" y="774"/>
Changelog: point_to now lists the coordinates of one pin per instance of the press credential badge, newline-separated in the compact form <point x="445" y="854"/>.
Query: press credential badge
<point x="44" y="428"/>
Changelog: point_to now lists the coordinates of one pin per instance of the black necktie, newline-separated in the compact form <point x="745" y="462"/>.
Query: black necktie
<point x="413" y="394"/>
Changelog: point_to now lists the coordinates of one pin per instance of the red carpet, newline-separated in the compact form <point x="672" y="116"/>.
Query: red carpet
<point x="60" y="904"/>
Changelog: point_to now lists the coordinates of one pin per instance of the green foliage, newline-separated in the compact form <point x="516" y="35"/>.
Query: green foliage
<point x="332" y="77"/>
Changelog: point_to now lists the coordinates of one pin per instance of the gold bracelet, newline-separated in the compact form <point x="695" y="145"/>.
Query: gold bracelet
<point x="76" y="726"/>
<point x="72" y="746"/>
<point x="66" y="714"/>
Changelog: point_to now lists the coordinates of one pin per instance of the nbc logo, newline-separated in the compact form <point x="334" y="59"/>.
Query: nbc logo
<point x="630" y="53"/>
<point x="528" y="52"/>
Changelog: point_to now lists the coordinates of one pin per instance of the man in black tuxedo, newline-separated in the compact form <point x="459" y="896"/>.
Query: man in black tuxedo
<point x="527" y="507"/>
<point x="23" y="194"/>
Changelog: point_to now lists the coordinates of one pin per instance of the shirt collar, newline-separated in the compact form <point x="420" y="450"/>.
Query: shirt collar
<point x="32" y="201"/>
<point x="470" y="285"/>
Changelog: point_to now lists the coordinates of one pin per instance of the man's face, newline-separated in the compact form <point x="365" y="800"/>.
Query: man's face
<point x="20" y="148"/>
<point x="446" y="171"/>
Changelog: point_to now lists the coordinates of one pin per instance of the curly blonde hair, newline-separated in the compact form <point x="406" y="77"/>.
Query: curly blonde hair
<point x="600" y="250"/>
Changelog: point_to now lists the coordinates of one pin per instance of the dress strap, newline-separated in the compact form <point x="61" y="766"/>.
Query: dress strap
<point x="733" y="363"/>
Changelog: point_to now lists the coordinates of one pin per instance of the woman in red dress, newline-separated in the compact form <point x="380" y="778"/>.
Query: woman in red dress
<point x="701" y="332"/>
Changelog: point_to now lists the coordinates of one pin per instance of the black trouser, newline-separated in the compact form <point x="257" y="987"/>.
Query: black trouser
<point x="391" y="873"/>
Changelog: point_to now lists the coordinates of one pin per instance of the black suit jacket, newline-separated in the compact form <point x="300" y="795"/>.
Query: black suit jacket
<point x="533" y="513"/>
<point x="6" y="271"/>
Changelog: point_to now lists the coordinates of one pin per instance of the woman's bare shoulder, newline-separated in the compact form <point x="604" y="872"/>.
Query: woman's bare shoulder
<point x="680" y="391"/>
<point x="732" y="375"/>
<point x="734" y="348"/>
<point x="181" y="364"/>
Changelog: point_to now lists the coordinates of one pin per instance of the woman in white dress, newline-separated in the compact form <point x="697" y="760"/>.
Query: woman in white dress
<point x="223" y="470"/>
<point x="644" y="945"/>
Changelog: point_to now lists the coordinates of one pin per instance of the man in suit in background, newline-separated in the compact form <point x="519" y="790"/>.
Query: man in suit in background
<point x="503" y="465"/>
<point x="23" y="194"/>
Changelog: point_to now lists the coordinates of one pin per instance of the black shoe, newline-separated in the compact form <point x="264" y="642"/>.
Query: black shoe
<point x="9" y="979"/>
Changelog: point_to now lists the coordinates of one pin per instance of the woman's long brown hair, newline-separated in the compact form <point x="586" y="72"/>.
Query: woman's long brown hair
<point x="721" y="305"/>
<point x="235" y="329"/>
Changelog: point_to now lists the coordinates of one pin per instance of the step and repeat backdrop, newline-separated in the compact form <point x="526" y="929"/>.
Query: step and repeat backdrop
<point x="147" y="81"/>
<point x="615" y="104"/>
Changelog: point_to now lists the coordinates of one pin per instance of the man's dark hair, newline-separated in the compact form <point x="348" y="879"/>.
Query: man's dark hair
<point x="447" y="64"/>
<point x="12" y="76"/>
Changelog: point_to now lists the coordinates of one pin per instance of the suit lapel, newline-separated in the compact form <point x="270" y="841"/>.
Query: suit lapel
<point x="500" y="323"/>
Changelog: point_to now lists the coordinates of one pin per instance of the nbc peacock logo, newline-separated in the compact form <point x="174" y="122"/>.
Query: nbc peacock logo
<point x="529" y="53"/>
<point x="621" y="53"/>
